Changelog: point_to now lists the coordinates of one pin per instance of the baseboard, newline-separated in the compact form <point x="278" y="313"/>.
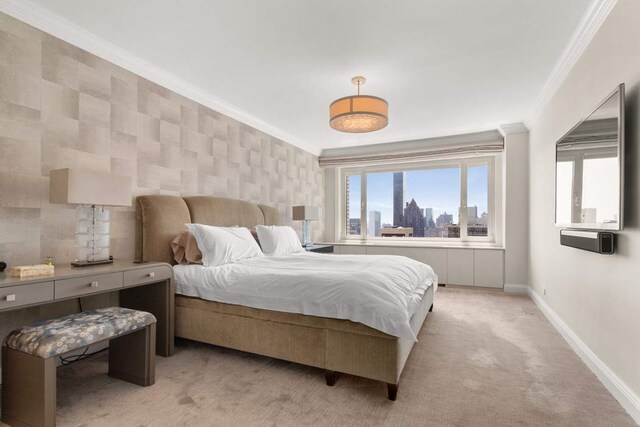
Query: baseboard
<point x="629" y="400"/>
<point x="511" y="288"/>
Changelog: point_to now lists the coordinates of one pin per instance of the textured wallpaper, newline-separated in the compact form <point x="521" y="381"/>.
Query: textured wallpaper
<point x="63" y="107"/>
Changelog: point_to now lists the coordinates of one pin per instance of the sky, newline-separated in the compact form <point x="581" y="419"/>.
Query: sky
<point x="432" y="188"/>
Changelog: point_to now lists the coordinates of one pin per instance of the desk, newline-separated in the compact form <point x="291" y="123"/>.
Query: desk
<point x="148" y="287"/>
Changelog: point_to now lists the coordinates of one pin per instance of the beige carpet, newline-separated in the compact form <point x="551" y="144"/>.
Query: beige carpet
<point x="484" y="359"/>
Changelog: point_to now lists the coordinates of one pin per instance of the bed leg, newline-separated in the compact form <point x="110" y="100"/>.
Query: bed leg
<point x="330" y="377"/>
<point x="392" y="391"/>
<point x="431" y="308"/>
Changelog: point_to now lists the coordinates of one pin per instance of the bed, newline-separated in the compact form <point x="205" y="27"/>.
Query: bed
<point x="333" y="344"/>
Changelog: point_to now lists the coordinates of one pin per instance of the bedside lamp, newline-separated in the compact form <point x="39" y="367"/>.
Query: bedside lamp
<point x="306" y="214"/>
<point x="91" y="191"/>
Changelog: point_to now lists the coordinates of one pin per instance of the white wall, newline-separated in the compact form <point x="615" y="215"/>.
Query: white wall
<point x="515" y="184"/>
<point x="597" y="296"/>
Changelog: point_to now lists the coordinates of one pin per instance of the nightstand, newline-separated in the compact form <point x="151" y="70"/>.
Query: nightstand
<point x="325" y="249"/>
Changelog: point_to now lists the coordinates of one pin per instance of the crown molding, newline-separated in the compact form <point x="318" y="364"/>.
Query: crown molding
<point x="57" y="26"/>
<point x="511" y="128"/>
<point x="587" y="28"/>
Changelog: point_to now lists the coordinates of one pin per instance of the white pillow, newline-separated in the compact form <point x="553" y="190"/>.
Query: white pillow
<point x="222" y="245"/>
<point x="278" y="240"/>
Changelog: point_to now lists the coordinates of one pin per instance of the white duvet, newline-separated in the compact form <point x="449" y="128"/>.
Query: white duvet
<point x="380" y="291"/>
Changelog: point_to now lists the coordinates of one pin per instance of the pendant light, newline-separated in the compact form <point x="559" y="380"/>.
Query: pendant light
<point x="359" y="113"/>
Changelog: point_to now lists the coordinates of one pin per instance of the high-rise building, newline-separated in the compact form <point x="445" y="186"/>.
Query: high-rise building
<point x="396" y="232"/>
<point x="444" y="219"/>
<point x="374" y="224"/>
<point x="429" y="222"/>
<point x="484" y="219"/>
<point x="413" y="218"/>
<point x="428" y="214"/>
<point x="399" y="197"/>
<point x="472" y="214"/>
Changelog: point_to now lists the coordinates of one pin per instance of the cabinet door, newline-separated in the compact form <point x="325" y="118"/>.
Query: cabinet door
<point x="353" y="250"/>
<point x="460" y="269"/>
<point x="387" y="250"/>
<point x="489" y="268"/>
<point x="437" y="259"/>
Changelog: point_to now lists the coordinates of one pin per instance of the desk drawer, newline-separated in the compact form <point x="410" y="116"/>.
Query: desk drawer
<point x="87" y="285"/>
<point x="140" y="276"/>
<point x="16" y="296"/>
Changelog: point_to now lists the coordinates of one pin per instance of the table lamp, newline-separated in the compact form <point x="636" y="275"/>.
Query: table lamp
<point x="306" y="214"/>
<point x="91" y="191"/>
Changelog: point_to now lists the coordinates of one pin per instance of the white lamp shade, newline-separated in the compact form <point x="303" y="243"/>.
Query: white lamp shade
<point x="305" y="213"/>
<point x="81" y="187"/>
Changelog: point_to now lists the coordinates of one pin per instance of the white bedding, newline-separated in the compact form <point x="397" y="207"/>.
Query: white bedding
<point x="380" y="291"/>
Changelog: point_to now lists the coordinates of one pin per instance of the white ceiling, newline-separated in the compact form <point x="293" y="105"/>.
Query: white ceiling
<point x="445" y="66"/>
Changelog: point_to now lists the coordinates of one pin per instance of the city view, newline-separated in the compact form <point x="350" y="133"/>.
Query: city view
<point x="421" y="203"/>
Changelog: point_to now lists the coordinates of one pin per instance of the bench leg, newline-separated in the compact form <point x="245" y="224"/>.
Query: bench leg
<point x="132" y="357"/>
<point x="28" y="389"/>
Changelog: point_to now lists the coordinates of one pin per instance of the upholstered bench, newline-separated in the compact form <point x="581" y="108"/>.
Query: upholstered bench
<point x="29" y="358"/>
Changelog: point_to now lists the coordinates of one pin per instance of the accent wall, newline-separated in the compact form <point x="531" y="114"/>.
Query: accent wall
<point x="62" y="107"/>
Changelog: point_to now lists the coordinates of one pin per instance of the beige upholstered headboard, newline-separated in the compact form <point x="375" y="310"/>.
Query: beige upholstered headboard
<point x="159" y="219"/>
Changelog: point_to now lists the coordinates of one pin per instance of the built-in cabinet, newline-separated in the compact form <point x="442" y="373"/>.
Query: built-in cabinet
<point x="460" y="267"/>
<point x="454" y="266"/>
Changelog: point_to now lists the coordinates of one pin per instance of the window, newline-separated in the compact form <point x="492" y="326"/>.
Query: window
<point x="478" y="201"/>
<point x="353" y="211"/>
<point x="432" y="200"/>
<point x="379" y="193"/>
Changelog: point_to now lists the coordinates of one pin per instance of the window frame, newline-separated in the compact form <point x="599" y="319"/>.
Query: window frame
<point x="493" y="190"/>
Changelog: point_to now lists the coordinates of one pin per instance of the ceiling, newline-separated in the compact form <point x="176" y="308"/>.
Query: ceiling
<point x="445" y="66"/>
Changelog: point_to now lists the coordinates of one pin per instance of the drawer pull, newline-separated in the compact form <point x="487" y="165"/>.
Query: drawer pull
<point x="94" y="284"/>
<point x="11" y="297"/>
<point x="152" y="274"/>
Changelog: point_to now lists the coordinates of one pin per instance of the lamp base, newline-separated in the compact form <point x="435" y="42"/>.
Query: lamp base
<point x="90" y="263"/>
<point x="306" y="233"/>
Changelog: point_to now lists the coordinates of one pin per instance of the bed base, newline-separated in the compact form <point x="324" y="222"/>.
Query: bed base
<point x="337" y="346"/>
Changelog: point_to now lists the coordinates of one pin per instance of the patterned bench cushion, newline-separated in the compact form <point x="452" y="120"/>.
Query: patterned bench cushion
<point x="57" y="336"/>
